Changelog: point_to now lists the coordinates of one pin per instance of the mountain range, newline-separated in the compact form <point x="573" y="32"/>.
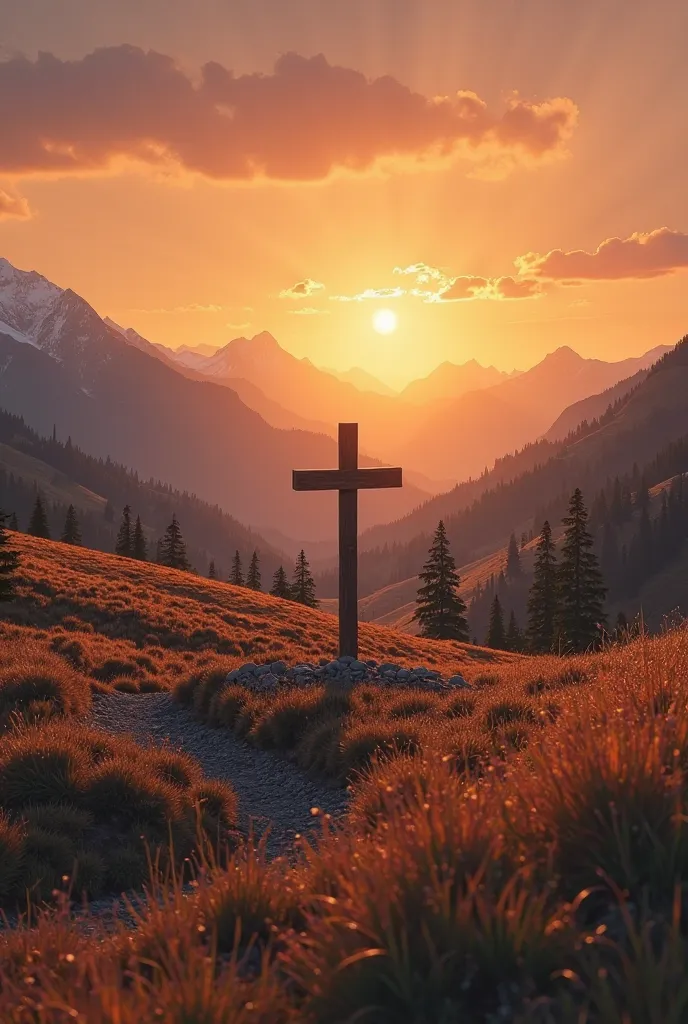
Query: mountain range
<point x="231" y="427"/>
<point x="423" y="428"/>
<point x="61" y="364"/>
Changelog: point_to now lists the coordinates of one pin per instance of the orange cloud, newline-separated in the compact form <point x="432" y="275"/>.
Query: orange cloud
<point x="463" y="289"/>
<point x="371" y="293"/>
<point x="13" y="206"/>
<point x="653" y="254"/>
<point x="309" y="311"/>
<point x="302" y="289"/>
<point x="301" y="122"/>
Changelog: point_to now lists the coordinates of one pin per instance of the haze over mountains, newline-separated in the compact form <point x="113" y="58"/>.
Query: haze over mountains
<point x="61" y="364"/>
<point x="230" y="425"/>
<point x="423" y="428"/>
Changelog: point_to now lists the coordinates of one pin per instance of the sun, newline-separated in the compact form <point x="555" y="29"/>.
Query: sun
<point x="385" y="321"/>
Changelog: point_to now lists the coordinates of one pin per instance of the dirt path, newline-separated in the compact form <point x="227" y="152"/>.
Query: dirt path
<point x="272" y="793"/>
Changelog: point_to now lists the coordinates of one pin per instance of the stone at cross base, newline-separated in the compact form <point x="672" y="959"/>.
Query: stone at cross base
<point x="348" y="480"/>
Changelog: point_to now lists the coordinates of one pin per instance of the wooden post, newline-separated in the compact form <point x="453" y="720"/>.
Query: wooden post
<point x="348" y="546"/>
<point x="348" y="479"/>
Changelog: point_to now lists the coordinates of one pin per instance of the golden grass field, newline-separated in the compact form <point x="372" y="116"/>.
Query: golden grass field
<point x="542" y="882"/>
<point x="116" y="608"/>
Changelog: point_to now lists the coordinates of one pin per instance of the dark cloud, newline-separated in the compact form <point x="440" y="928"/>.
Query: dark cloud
<point x="300" y="122"/>
<point x="639" y="256"/>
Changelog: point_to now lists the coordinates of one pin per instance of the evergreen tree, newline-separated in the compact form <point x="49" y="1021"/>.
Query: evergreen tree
<point x="513" y="560"/>
<point x="13" y="523"/>
<point x="542" y="601"/>
<point x="212" y="574"/>
<point x="280" y="584"/>
<point x="580" y="583"/>
<point x="514" y="637"/>
<point x="125" y="541"/>
<point x="139" y="545"/>
<point x="9" y="563"/>
<point x="496" y="637"/>
<point x="71" y="534"/>
<point x="109" y="512"/>
<point x="253" y="578"/>
<point x="38" y="523"/>
<point x="158" y="551"/>
<point x="173" y="548"/>
<point x="303" y="584"/>
<point x="440" y="610"/>
<point x="236" y="575"/>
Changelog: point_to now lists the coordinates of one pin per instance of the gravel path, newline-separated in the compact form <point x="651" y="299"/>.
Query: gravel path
<point x="272" y="792"/>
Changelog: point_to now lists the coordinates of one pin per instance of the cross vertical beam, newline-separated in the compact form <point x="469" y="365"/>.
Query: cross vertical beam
<point x="348" y="479"/>
<point x="348" y="554"/>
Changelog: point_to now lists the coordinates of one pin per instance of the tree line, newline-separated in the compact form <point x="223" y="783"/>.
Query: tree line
<point x="171" y="552"/>
<point x="565" y="601"/>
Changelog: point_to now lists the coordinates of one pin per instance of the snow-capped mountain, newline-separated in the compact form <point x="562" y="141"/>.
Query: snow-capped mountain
<point x="115" y="394"/>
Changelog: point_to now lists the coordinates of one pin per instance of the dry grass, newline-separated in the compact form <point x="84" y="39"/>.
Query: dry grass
<point x="335" y="732"/>
<point x="548" y="889"/>
<point x="99" y="608"/>
<point x="81" y="806"/>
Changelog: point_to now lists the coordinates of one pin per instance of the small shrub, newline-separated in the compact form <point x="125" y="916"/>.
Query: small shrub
<point x="132" y="794"/>
<point x="363" y="742"/>
<point x="506" y="712"/>
<point x="227" y="705"/>
<point x="486" y="679"/>
<point x="411" y="705"/>
<point x="459" y="706"/>
<point x="287" y="718"/>
<point x="319" y="750"/>
<point x="39" y="685"/>
<point x="37" y="770"/>
<point x="64" y="819"/>
<point x="177" y="768"/>
<point x="126" y="684"/>
<point x="112" y="668"/>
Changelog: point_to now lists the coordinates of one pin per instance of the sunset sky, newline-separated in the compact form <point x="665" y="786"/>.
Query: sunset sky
<point x="506" y="176"/>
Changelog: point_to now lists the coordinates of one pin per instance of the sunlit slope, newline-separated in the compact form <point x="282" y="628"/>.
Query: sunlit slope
<point x="137" y="601"/>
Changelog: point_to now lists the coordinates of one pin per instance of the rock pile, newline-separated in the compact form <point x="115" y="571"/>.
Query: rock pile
<point x="345" y="671"/>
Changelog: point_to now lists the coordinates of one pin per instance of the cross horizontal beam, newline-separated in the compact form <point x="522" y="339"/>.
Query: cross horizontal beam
<point x="345" y="479"/>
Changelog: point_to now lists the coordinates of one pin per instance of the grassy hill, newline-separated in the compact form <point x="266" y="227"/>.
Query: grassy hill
<point x="117" y="607"/>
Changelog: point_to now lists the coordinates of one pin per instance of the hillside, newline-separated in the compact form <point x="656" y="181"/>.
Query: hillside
<point x="99" y="489"/>
<point x="140" y="605"/>
<point x="644" y="422"/>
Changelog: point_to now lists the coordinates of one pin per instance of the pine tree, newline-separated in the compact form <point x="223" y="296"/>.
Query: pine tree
<point x="71" y="534"/>
<point x="496" y="637"/>
<point x="38" y="523"/>
<point x="9" y="563"/>
<point x="125" y="541"/>
<point x="303" y="585"/>
<point x="212" y="574"/>
<point x="512" y="569"/>
<point x="280" y="584"/>
<point x="173" y="548"/>
<point x="236" y="575"/>
<point x="253" y="578"/>
<point x="139" y="545"/>
<point x="580" y="583"/>
<point x="514" y="637"/>
<point x="440" y="610"/>
<point x="542" y="601"/>
<point x="13" y="523"/>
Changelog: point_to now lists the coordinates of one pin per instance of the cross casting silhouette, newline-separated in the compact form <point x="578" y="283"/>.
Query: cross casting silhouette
<point x="348" y="480"/>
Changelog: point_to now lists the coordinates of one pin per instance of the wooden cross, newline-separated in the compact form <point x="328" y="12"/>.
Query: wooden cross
<point x="348" y="480"/>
